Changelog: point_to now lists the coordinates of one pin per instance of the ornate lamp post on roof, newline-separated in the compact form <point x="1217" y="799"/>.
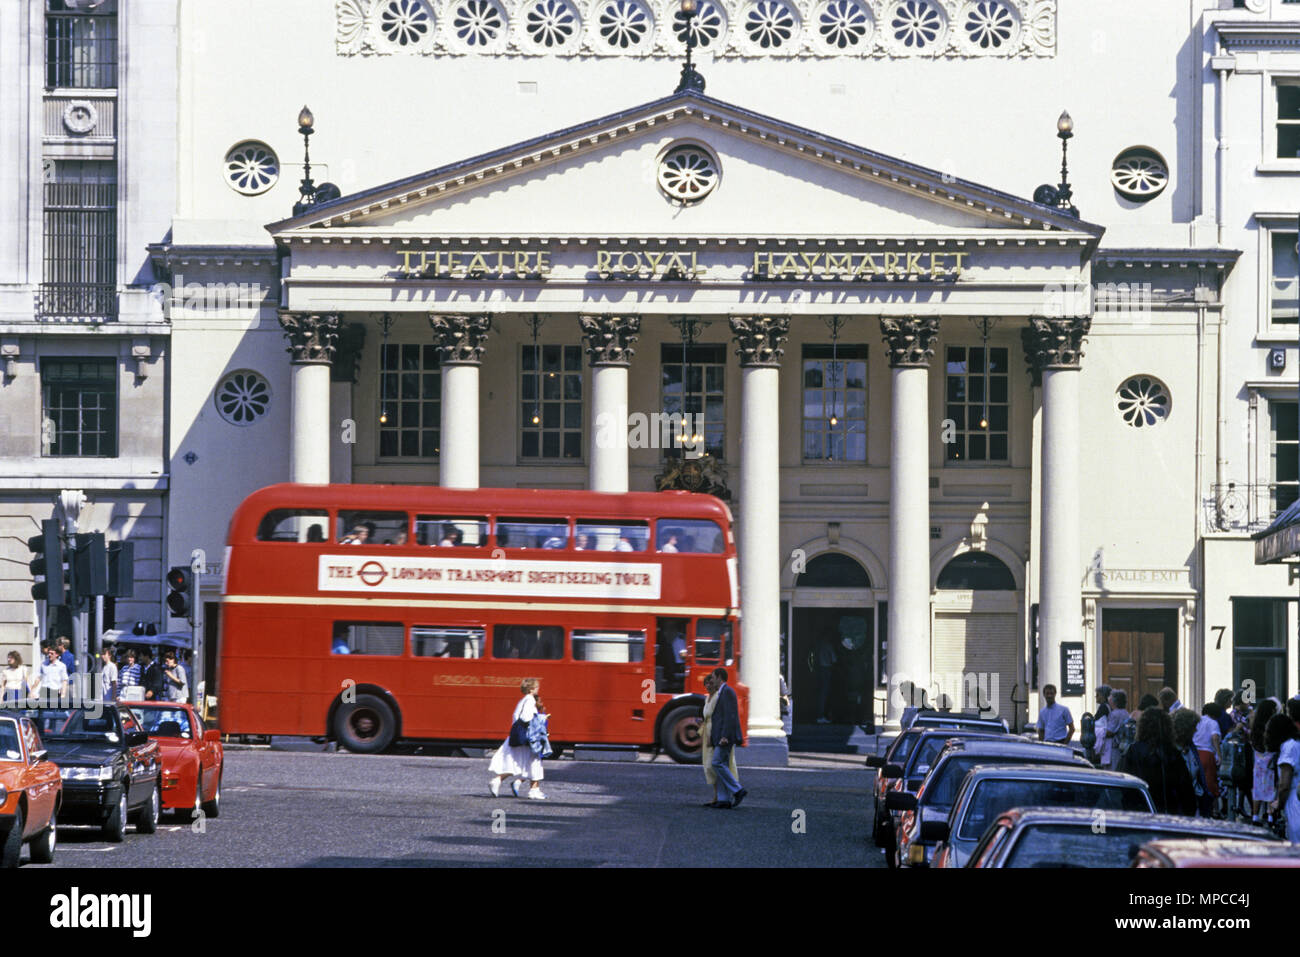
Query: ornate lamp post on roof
<point x="309" y="193"/>
<point x="691" y="79"/>
<point x="1061" y="194"/>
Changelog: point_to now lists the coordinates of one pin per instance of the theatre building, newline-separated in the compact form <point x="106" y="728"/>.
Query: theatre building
<point x="968" y="426"/>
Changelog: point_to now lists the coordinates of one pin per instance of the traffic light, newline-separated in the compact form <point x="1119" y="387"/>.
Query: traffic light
<point x="90" y="574"/>
<point x="48" y="549"/>
<point x="121" y="569"/>
<point x="180" y="600"/>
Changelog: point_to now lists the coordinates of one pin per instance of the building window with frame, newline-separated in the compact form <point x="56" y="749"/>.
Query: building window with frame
<point x="80" y="222"/>
<point x="80" y="46"/>
<point x="79" y="399"/>
<point x="1284" y="268"/>
<point x="977" y="401"/>
<point x="1259" y="633"/>
<point x="834" y="403"/>
<point x="410" y="401"/>
<point x="550" y="387"/>
<point x="1284" y="466"/>
<point x="703" y="369"/>
<point x="1288" y="121"/>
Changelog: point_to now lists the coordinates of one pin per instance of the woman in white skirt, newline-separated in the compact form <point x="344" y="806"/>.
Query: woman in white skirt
<point x="519" y="761"/>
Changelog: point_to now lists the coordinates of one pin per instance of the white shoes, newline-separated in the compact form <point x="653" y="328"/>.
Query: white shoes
<point x="495" y="787"/>
<point x="536" y="794"/>
<point x="514" y="787"/>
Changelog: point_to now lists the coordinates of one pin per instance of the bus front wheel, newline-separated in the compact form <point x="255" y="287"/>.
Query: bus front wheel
<point x="681" y="735"/>
<point x="365" y="726"/>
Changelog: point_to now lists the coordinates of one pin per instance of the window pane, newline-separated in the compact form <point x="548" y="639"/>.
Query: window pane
<point x="293" y="525"/>
<point x="368" y="638"/>
<point x="532" y="532"/>
<point x="537" y="642"/>
<point x="429" y="641"/>
<point x="612" y="536"/>
<point x="608" y="645"/>
<point x="688" y="535"/>
<point x="1284" y="270"/>
<point x="448" y="531"/>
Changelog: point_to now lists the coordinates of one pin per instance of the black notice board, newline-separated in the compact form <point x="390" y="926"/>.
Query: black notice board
<point x="1073" y="680"/>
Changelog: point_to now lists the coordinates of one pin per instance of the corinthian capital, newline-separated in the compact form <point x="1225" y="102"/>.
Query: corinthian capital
<point x="610" y="339"/>
<point x="760" y="339"/>
<point x="910" y="341"/>
<point x="460" y="338"/>
<point x="1054" y="343"/>
<point x="312" y="336"/>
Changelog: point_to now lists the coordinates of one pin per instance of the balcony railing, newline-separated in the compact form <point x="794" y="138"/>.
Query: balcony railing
<point x="1238" y="507"/>
<point x="77" y="301"/>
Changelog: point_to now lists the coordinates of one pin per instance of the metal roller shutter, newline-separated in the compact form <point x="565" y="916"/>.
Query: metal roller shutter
<point x="979" y="645"/>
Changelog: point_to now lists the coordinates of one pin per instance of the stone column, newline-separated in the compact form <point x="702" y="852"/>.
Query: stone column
<point x="1054" y="347"/>
<point x="759" y="341"/>
<point x="609" y="346"/>
<point x="460" y="348"/>
<point x="911" y="345"/>
<point x="312" y="340"/>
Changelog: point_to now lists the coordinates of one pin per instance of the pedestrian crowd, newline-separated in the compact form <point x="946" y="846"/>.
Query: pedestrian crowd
<point x="1236" y="758"/>
<point x="131" y="675"/>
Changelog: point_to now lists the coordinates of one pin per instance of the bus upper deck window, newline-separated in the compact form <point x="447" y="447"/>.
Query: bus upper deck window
<point x="373" y="528"/>
<point x="532" y="533"/>
<point x="451" y="531"/>
<point x="611" y="536"/>
<point x="689" y="535"/>
<point x="293" y="525"/>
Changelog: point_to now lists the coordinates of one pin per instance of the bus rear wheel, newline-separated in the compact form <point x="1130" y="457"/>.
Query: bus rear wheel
<point x="681" y="735"/>
<point x="365" y="726"/>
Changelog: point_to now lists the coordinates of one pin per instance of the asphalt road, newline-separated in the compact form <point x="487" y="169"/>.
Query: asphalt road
<point x="313" y="809"/>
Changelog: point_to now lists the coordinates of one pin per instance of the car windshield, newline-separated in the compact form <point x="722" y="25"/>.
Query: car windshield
<point x="10" y="750"/>
<point x="57" y="724"/>
<point x="1081" y="845"/>
<point x="164" y="722"/>
<point x="991" y="798"/>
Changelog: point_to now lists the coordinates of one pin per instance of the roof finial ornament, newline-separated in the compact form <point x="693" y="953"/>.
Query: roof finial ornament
<point x="1060" y="195"/>
<point x="691" y="80"/>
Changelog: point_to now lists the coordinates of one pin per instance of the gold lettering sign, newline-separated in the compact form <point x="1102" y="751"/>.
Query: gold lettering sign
<point x="907" y="265"/>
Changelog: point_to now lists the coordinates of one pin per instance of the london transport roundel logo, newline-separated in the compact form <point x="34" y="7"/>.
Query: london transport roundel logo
<point x="372" y="573"/>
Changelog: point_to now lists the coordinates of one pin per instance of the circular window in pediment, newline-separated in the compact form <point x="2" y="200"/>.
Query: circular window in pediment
<point x="688" y="172"/>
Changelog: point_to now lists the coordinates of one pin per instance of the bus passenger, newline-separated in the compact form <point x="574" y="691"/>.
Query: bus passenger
<point x="584" y="543"/>
<point x="401" y="538"/>
<point x="451" y="537"/>
<point x="670" y="539"/>
<point x="360" y="534"/>
<point x="624" y="544"/>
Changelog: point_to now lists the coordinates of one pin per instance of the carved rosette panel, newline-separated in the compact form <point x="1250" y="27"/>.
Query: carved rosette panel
<point x="313" y="337"/>
<point x="749" y="29"/>
<point x="910" y="341"/>
<point x="460" y="339"/>
<point x="1054" y="343"/>
<point x="760" y="340"/>
<point x="610" y="339"/>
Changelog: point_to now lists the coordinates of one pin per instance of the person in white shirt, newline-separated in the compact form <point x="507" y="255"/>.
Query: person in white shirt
<point x="14" y="681"/>
<point x="108" y="674"/>
<point x="52" y="675"/>
<point x="1206" y="742"/>
<point x="1055" y="723"/>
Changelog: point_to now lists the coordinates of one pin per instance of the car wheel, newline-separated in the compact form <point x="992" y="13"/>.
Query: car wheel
<point x="366" y="726"/>
<point x="147" y="822"/>
<point x="213" y="808"/>
<point x="43" y="846"/>
<point x="681" y="735"/>
<point x="115" y="826"/>
<point x="13" y="843"/>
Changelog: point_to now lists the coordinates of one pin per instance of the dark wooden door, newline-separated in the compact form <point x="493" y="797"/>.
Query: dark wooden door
<point x="1139" y="651"/>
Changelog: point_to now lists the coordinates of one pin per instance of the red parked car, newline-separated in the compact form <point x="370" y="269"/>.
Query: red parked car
<point x="192" y="756"/>
<point x="31" y="791"/>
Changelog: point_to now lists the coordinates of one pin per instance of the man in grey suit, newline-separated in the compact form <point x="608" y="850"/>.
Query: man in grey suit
<point x="725" y="734"/>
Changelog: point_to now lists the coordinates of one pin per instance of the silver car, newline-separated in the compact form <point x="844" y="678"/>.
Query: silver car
<point x="989" y="790"/>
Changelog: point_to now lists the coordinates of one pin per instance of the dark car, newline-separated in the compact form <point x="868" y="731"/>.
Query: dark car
<point x="991" y="789"/>
<point x="1073" y="837"/>
<point x="111" y="770"/>
<point x="973" y="720"/>
<point x="903" y="768"/>
<point x="934" y="799"/>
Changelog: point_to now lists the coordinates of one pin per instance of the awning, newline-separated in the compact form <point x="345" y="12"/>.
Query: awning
<point x="1280" y="542"/>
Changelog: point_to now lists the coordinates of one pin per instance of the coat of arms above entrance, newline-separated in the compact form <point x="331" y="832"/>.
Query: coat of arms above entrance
<point x="721" y="28"/>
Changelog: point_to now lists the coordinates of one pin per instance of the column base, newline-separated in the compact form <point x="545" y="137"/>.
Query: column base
<point x="765" y="752"/>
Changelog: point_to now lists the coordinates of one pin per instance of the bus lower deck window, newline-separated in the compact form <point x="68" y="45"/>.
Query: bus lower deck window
<point x="538" y="642"/>
<point x="368" y="638"/>
<point x="608" y="645"/>
<point x="434" y="642"/>
<point x="713" y="640"/>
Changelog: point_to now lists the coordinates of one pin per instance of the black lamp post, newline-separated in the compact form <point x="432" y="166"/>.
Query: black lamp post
<point x="307" y="189"/>
<point x="691" y="79"/>
<point x="1061" y="194"/>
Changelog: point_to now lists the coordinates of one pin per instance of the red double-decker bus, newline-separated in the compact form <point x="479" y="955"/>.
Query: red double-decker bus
<point x="368" y="613"/>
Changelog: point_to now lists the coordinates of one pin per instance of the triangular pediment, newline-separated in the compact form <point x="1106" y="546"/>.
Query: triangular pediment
<point x="601" y="179"/>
